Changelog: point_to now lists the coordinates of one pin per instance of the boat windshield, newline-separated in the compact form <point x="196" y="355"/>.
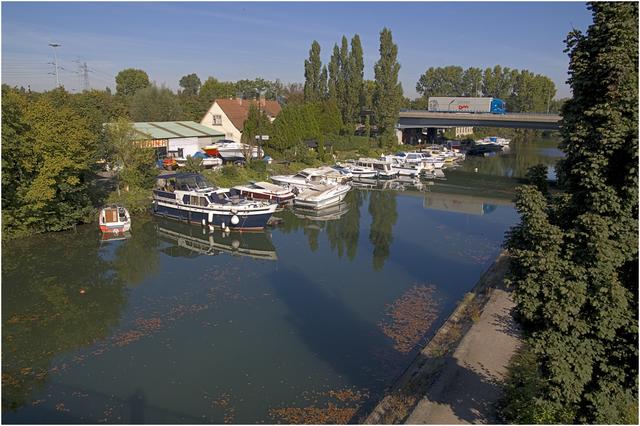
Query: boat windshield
<point x="192" y="183"/>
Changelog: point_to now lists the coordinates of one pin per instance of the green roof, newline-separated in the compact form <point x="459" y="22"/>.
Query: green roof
<point x="174" y="129"/>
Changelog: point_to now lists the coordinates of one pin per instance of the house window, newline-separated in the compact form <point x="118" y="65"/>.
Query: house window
<point x="216" y="120"/>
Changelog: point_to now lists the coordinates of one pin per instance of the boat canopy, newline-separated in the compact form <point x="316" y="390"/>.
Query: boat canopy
<point x="184" y="181"/>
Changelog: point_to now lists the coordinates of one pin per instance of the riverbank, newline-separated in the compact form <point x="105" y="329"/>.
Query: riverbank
<point x="455" y="377"/>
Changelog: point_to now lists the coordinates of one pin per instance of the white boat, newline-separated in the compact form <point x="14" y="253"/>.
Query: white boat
<point x="359" y="171"/>
<point x="229" y="150"/>
<point x="114" y="219"/>
<point x="402" y="168"/>
<point x="334" y="176"/>
<point x="207" y="161"/>
<point x="264" y="191"/>
<point x="383" y="167"/>
<point x="189" y="197"/>
<point x="321" y="196"/>
<point x="493" y="140"/>
<point x="302" y="180"/>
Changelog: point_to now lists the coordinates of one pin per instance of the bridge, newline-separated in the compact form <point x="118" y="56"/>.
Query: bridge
<point x="413" y="119"/>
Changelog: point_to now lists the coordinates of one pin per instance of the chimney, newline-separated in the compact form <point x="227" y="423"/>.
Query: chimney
<point x="262" y="101"/>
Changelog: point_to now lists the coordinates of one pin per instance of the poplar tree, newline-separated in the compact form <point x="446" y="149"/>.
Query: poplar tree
<point x="334" y="74"/>
<point x="323" y="82"/>
<point x="343" y="80"/>
<point x="575" y="256"/>
<point x="312" y="68"/>
<point x="388" y="93"/>
<point x="355" y="86"/>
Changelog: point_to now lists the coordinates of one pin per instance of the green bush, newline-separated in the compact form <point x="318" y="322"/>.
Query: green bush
<point x="524" y="390"/>
<point x="136" y="200"/>
<point x="258" y="166"/>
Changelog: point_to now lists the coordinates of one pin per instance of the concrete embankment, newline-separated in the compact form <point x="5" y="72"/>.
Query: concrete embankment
<point x="456" y="377"/>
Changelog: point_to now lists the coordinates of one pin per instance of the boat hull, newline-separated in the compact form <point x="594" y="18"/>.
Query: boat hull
<point x="246" y="221"/>
<point x="116" y="229"/>
<point x="323" y="203"/>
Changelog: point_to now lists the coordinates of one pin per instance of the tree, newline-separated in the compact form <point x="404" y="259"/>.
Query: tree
<point x="133" y="164"/>
<point x="472" y="81"/>
<point x="388" y="92"/>
<point x="312" y="75"/>
<point x="256" y="124"/>
<point x="355" y="84"/>
<point x="343" y="79"/>
<point x="334" y="74"/>
<point x="575" y="256"/>
<point x="155" y="104"/>
<point x="190" y="84"/>
<point x="213" y="89"/>
<point x="47" y="177"/>
<point x="129" y="81"/>
<point x="446" y="81"/>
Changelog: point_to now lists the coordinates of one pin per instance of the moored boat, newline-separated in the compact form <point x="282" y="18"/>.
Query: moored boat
<point x="321" y="196"/>
<point x="114" y="219"/>
<point x="383" y="168"/>
<point x="189" y="197"/>
<point x="264" y="191"/>
<point x="302" y="180"/>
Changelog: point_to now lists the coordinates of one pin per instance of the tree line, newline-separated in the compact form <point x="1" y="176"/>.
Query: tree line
<point x="574" y="255"/>
<point x="522" y="90"/>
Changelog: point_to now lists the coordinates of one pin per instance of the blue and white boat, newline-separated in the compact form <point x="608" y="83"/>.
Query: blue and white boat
<point x="189" y="197"/>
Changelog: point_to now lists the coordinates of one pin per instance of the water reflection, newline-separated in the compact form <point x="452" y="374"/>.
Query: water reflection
<point x="90" y="326"/>
<point x="58" y="295"/>
<point x="191" y="241"/>
<point x="383" y="210"/>
<point x="460" y="203"/>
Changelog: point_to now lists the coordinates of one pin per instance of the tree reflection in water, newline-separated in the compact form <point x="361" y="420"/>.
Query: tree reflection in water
<point x="58" y="295"/>
<point x="383" y="210"/>
<point x="345" y="232"/>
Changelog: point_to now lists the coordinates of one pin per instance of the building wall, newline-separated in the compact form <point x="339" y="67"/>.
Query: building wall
<point x="226" y="125"/>
<point x="189" y="146"/>
<point x="463" y="131"/>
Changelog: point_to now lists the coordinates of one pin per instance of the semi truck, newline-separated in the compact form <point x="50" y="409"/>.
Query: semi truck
<point x="466" y="104"/>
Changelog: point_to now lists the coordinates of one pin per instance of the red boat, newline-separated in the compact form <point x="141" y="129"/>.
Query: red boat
<point x="212" y="150"/>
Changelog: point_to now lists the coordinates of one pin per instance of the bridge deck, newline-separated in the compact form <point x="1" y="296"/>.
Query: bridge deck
<point x="416" y="119"/>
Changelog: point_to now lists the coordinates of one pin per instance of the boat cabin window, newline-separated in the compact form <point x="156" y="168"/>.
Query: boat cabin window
<point x="194" y="200"/>
<point x="301" y="175"/>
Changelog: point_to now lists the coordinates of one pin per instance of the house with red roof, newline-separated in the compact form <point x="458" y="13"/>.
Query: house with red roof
<point x="228" y="115"/>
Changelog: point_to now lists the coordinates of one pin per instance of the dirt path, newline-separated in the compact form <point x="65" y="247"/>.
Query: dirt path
<point x="469" y="385"/>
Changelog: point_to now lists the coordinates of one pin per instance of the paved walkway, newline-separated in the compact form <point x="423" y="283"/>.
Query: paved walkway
<point x="468" y="387"/>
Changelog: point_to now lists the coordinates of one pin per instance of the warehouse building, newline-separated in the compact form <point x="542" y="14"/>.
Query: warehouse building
<point x="177" y="139"/>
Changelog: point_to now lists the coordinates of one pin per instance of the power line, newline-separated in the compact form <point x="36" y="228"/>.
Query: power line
<point x="55" y="56"/>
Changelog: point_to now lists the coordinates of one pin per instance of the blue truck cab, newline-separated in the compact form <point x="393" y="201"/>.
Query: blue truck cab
<point x="498" y="106"/>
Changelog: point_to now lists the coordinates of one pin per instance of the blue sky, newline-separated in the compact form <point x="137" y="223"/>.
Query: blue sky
<point x="237" y="40"/>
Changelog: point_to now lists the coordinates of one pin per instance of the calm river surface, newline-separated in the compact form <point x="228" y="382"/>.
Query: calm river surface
<point x="302" y="323"/>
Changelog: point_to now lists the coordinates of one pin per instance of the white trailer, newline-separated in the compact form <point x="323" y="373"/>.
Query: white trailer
<point x="465" y="104"/>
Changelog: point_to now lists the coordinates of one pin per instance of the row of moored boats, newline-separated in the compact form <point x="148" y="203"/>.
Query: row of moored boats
<point x="189" y="197"/>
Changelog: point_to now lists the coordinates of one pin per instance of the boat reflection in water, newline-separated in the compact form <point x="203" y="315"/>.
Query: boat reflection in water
<point x="460" y="203"/>
<point x="190" y="241"/>
<point x="111" y="236"/>
<point x="329" y="213"/>
<point x="400" y="183"/>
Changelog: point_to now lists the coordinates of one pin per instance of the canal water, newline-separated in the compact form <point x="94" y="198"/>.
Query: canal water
<point x="303" y="323"/>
